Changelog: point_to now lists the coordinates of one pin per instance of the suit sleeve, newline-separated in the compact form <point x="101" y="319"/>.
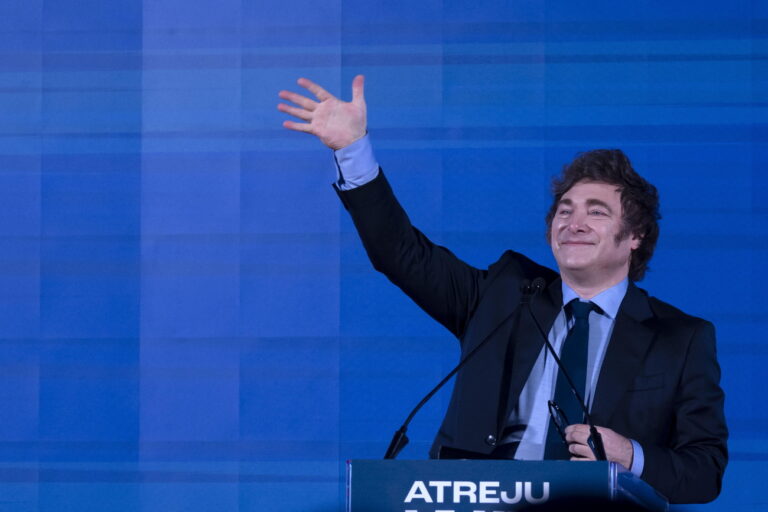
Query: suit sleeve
<point x="690" y="469"/>
<point x="440" y="283"/>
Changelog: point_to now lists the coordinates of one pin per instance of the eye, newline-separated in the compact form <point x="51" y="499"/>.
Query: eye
<point x="598" y="212"/>
<point x="564" y="211"/>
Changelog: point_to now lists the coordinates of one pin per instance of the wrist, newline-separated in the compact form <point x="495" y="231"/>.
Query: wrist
<point x="348" y="142"/>
<point x="630" y="454"/>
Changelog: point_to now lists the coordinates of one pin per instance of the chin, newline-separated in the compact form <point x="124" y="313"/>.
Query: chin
<point x="573" y="264"/>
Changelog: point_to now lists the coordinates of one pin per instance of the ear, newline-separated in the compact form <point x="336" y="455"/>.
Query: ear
<point x="635" y="241"/>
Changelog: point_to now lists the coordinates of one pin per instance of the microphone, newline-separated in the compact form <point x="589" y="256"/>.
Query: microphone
<point x="595" y="440"/>
<point x="400" y="439"/>
<point x="531" y="288"/>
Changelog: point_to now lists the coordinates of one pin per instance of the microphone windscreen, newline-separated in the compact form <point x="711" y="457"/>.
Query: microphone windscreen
<point x="538" y="284"/>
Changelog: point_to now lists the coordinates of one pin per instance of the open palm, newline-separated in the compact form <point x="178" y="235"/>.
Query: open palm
<point x="335" y="122"/>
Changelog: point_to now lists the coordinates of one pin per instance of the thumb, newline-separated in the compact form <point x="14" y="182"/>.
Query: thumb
<point x="358" y="84"/>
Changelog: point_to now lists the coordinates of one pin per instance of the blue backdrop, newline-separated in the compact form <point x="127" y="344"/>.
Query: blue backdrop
<point x="187" y="319"/>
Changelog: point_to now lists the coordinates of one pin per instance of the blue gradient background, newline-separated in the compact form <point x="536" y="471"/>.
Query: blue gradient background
<point x="187" y="319"/>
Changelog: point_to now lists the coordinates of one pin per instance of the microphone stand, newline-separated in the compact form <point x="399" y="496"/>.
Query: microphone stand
<point x="400" y="439"/>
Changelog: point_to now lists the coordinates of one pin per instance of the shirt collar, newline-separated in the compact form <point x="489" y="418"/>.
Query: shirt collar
<point x="608" y="300"/>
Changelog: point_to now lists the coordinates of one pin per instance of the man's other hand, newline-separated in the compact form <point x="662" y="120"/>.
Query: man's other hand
<point x="617" y="447"/>
<point x="336" y="123"/>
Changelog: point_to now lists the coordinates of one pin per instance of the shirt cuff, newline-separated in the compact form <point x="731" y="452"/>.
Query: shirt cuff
<point x="638" y="459"/>
<point x="355" y="164"/>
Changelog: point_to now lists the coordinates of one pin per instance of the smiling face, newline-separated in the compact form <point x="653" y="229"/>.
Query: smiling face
<point x="585" y="236"/>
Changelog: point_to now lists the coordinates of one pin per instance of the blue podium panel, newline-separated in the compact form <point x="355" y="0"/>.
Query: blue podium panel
<point x="488" y="485"/>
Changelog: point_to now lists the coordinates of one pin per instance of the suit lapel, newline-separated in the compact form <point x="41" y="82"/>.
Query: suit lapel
<point x="545" y="307"/>
<point x="630" y="340"/>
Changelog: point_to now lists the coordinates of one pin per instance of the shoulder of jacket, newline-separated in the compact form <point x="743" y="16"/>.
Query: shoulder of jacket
<point x="666" y="312"/>
<point x="512" y="262"/>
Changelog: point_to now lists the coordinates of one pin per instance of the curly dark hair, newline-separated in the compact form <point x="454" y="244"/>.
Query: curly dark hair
<point x="639" y="200"/>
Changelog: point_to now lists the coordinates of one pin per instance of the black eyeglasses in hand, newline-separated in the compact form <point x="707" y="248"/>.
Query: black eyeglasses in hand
<point x="561" y="422"/>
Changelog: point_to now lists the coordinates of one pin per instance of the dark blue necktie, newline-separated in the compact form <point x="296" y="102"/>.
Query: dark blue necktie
<point x="573" y="355"/>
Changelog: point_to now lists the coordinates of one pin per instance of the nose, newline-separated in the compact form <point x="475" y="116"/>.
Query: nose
<point x="577" y="222"/>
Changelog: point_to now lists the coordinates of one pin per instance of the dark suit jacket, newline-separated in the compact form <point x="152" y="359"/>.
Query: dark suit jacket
<point x="658" y="385"/>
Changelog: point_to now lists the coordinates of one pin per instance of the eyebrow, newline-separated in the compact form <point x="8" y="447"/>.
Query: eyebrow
<point x="597" y="202"/>
<point x="590" y="202"/>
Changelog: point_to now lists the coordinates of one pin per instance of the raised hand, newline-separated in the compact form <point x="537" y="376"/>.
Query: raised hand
<point x="336" y="123"/>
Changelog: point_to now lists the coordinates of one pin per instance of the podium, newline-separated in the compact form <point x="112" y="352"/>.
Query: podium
<point x="488" y="485"/>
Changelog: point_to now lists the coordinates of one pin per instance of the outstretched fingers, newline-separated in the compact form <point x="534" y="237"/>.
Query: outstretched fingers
<point x="301" y="113"/>
<point x="358" y="88"/>
<point x="299" y="127"/>
<point x="336" y="123"/>
<point x="315" y="89"/>
<point x="298" y="99"/>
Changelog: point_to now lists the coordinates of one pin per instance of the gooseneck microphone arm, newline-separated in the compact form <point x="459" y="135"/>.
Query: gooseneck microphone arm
<point x="595" y="440"/>
<point x="400" y="439"/>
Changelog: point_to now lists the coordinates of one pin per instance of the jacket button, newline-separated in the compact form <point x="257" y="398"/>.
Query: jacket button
<point x="490" y="440"/>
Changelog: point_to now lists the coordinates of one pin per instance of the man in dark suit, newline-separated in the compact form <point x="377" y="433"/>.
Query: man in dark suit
<point x="648" y="371"/>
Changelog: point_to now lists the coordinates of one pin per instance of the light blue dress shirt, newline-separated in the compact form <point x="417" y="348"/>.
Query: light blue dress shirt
<point x="356" y="166"/>
<point x="529" y="420"/>
<point x="357" y="163"/>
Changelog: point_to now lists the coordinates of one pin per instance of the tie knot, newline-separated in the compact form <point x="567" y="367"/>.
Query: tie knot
<point x="580" y="310"/>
